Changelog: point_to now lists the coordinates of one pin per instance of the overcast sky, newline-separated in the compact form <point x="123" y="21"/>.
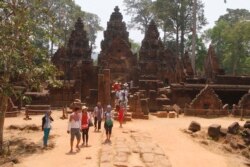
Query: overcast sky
<point x="103" y="8"/>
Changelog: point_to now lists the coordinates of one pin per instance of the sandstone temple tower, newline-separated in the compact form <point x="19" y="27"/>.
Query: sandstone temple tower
<point x="156" y="62"/>
<point x="116" y="53"/>
<point x="77" y="65"/>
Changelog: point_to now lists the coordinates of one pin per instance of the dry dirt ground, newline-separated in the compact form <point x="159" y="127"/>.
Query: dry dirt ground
<point x="154" y="142"/>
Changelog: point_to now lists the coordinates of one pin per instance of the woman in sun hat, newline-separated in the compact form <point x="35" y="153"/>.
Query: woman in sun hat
<point x="85" y="123"/>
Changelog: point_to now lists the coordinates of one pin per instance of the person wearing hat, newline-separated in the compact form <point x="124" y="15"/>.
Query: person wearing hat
<point x="85" y="122"/>
<point x="74" y="124"/>
<point x="108" y="124"/>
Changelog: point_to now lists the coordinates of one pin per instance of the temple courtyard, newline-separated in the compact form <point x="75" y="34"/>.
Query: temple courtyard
<point x="162" y="142"/>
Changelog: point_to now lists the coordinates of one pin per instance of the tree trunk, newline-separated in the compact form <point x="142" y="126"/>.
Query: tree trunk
<point x="3" y="108"/>
<point x="182" y="27"/>
<point x="194" y="34"/>
<point x="177" y="40"/>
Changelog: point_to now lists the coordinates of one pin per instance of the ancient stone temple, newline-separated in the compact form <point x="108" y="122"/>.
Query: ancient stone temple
<point x="211" y="65"/>
<point x="75" y="61"/>
<point x="155" y="62"/>
<point x="151" y="53"/>
<point x="244" y="105"/>
<point x="207" y="102"/>
<point x="116" y="53"/>
<point x="188" y="70"/>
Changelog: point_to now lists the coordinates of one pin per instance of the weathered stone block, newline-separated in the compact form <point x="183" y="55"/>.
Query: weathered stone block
<point x="247" y="124"/>
<point x="214" y="131"/>
<point x="246" y="133"/>
<point x="172" y="114"/>
<point x="234" y="128"/>
<point x="144" y="106"/>
<point x="162" y="114"/>
<point x="223" y="131"/>
<point x="194" y="126"/>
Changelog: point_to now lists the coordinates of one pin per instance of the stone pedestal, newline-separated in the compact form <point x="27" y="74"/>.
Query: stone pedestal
<point x="138" y="113"/>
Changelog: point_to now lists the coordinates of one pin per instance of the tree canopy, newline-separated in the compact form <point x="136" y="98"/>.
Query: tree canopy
<point x="29" y="30"/>
<point x="231" y="38"/>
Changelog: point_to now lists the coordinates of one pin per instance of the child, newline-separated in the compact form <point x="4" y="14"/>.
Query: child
<point x="120" y="110"/>
<point x="46" y="126"/>
<point x="108" y="125"/>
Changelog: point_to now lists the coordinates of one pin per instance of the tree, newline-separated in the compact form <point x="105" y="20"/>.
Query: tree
<point x="141" y="13"/>
<point x="59" y="19"/>
<point x="22" y="62"/>
<point x="230" y="36"/>
<point x="175" y="19"/>
<point x="135" y="47"/>
<point x="200" y="50"/>
<point x="92" y="25"/>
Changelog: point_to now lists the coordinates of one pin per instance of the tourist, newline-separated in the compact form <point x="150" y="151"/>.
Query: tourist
<point x="85" y="123"/>
<point x="123" y="97"/>
<point x="98" y="113"/>
<point x="74" y="125"/>
<point x="117" y="97"/>
<point x="108" y="124"/>
<point x="131" y="85"/>
<point x="46" y="126"/>
<point x="120" y="110"/>
<point x="115" y="86"/>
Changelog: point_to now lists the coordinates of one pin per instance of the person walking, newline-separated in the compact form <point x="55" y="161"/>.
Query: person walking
<point x="85" y="126"/>
<point x="74" y="125"/>
<point x="98" y="113"/>
<point x="123" y="97"/>
<point x="120" y="110"/>
<point x="46" y="127"/>
<point x="108" y="124"/>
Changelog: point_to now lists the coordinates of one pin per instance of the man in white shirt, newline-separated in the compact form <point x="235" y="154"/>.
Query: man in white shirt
<point x="74" y="125"/>
<point x="98" y="115"/>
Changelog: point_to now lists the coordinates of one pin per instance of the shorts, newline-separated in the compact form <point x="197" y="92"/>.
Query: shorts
<point x="75" y="132"/>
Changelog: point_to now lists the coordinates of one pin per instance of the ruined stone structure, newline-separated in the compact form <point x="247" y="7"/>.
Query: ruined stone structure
<point x="188" y="70"/>
<point x="206" y="103"/>
<point x="155" y="62"/>
<point x="79" y="73"/>
<point x="244" y="105"/>
<point x="116" y="53"/>
<point x="139" y="111"/>
<point x="157" y="68"/>
<point x="211" y="65"/>
<point x="229" y="88"/>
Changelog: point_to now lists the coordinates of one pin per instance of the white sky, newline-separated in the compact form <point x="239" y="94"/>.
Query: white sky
<point x="103" y="8"/>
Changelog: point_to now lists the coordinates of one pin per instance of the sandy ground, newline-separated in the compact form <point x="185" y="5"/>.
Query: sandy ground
<point x="178" y="146"/>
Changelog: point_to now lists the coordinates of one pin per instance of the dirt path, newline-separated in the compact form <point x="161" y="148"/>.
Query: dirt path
<point x="180" y="148"/>
<point x="164" y="133"/>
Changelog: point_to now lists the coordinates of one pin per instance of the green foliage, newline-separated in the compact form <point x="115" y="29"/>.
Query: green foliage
<point x="175" y="19"/>
<point x="141" y="13"/>
<point x="200" y="50"/>
<point x="135" y="47"/>
<point x="22" y="61"/>
<point x="58" y="18"/>
<point x="231" y="39"/>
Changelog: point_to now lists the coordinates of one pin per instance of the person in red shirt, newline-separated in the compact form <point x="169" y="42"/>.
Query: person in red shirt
<point x="120" y="110"/>
<point x="85" y="126"/>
